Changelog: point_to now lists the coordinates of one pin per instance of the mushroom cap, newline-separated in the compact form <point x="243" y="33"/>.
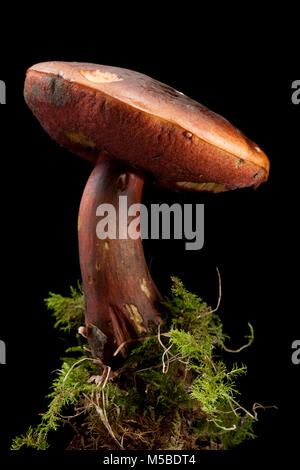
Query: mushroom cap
<point x="91" y="108"/>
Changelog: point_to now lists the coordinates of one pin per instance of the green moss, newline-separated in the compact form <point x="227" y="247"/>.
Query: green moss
<point x="172" y="392"/>
<point x="67" y="311"/>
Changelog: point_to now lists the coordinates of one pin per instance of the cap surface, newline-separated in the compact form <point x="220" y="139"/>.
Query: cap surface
<point x="89" y="108"/>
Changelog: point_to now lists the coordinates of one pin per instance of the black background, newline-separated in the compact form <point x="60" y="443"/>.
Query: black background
<point x="250" y="235"/>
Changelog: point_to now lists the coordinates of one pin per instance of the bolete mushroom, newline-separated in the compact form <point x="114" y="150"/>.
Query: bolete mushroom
<point x="129" y="125"/>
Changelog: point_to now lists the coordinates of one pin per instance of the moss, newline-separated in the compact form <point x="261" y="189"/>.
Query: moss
<point x="67" y="311"/>
<point x="172" y="392"/>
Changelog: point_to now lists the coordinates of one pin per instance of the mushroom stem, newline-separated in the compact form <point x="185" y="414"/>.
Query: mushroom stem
<point x="120" y="295"/>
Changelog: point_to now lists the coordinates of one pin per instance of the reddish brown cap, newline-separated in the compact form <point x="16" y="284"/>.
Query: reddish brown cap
<point x="90" y="108"/>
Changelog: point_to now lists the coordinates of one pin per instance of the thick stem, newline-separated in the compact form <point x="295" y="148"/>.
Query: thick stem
<point x="119" y="293"/>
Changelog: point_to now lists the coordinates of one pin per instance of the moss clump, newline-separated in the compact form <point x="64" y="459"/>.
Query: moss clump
<point x="172" y="392"/>
<point x="67" y="311"/>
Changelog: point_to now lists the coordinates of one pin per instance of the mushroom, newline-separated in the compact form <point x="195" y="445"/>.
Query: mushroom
<point x="129" y="126"/>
